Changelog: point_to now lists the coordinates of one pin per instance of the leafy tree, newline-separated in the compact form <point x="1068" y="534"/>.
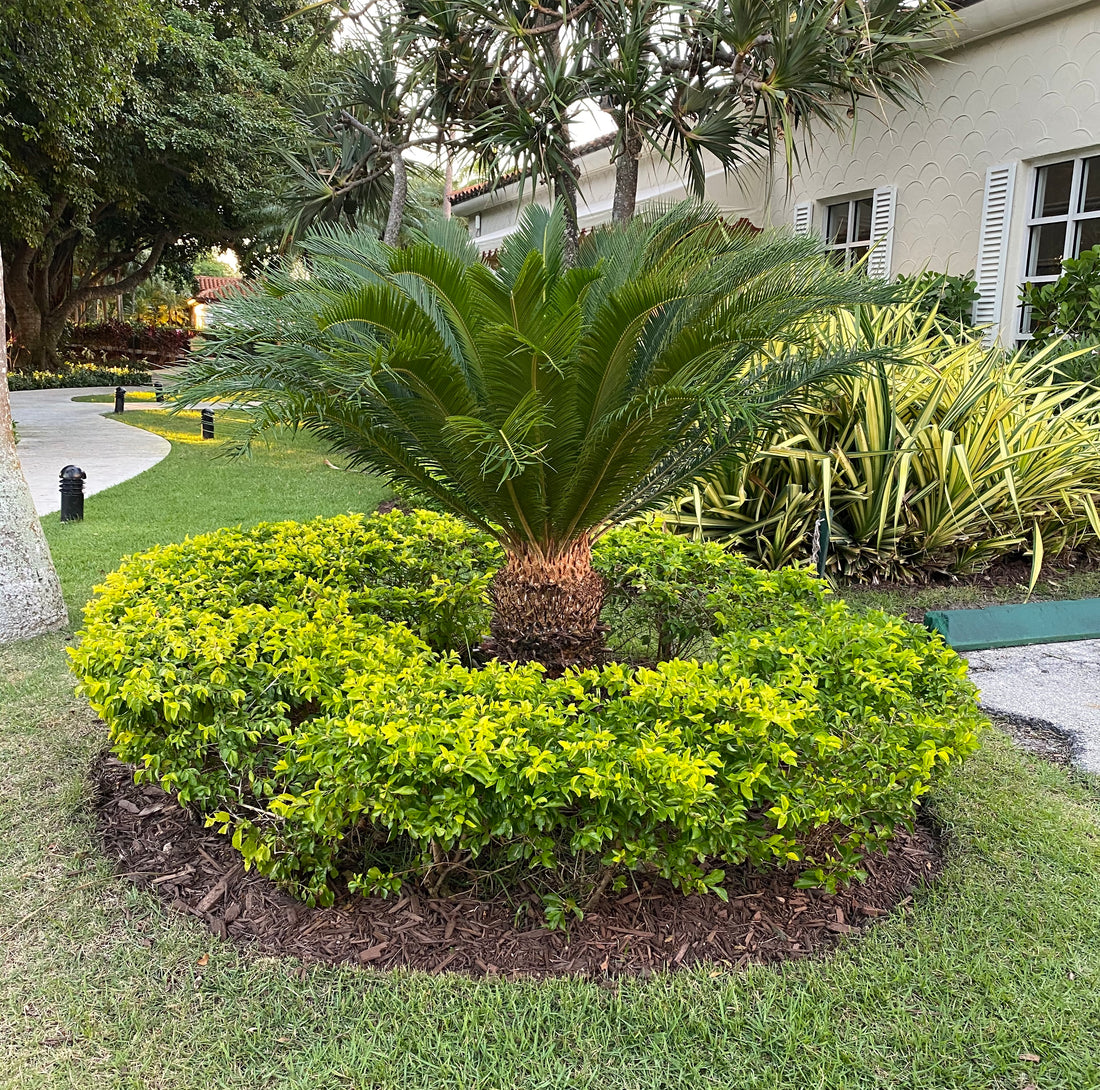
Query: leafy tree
<point x="729" y="77"/>
<point x="542" y="403"/>
<point x="158" y="301"/>
<point x="179" y="157"/>
<point x="360" y="122"/>
<point x="206" y="264"/>
<point x="724" y="78"/>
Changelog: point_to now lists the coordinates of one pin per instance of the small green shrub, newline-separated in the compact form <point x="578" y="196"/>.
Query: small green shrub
<point x="74" y="375"/>
<point x="1070" y="307"/>
<point x="949" y="298"/>
<point x="297" y="685"/>
<point x="667" y="597"/>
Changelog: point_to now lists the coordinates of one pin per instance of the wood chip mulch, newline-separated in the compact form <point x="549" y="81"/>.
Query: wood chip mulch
<point x="193" y="870"/>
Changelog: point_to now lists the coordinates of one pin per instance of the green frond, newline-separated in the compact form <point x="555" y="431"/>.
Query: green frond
<point x="541" y="401"/>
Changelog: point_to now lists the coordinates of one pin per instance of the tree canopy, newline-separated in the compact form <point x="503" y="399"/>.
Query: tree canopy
<point x="175" y="153"/>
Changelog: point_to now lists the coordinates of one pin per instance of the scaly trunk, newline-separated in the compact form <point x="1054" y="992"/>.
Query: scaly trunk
<point x="396" y="215"/>
<point x="547" y="610"/>
<point x="626" y="179"/>
<point x="566" y="191"/>
<point x="30" y="594"/>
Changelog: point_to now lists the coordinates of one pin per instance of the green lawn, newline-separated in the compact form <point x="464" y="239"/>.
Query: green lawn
<point x="915" y="600"/>
<point x="109" y="399"/>
<point x="196" y="489"/>
<point x="996" y="963"/>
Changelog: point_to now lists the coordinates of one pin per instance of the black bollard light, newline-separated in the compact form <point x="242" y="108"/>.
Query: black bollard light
<point x="72" y="494"/>
<point x="120" y="399"/>
<point x="207" y="423"/>
<point x="822" y="529"/>
<point x="159" y="391"/>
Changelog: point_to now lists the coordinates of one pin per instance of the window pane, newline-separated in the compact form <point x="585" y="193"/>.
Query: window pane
<point x="838" y="223"/>
<point x="858" y="253"/>
<point x="838" y="257"/>
<point x="1052" y="184"/>
<point x="863" y="221"/>
<point x="1090" y="186"/>
<point x="1088" y="235"/>
<point x="1044" y="256"/>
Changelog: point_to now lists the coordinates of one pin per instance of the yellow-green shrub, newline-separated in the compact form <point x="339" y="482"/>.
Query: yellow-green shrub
<point x="283" y="681"/>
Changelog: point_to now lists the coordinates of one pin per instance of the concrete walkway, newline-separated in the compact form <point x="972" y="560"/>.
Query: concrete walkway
<point x="1054" y="684"/>
<point x="55" y="431"/>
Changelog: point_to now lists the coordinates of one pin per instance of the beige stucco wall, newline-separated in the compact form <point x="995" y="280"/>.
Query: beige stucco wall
<point x="1024" y="96"/>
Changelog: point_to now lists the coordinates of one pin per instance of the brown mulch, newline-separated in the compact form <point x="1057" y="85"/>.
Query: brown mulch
<point x="193" y="870"/>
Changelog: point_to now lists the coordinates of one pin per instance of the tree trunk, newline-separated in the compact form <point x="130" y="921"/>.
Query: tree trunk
<point x="397" y="202"/>
<point x="30" y="593"/>
<point x="566" y="191"/>
<point x="626" y="180"/>
<point x="547" y="610"/>
<point x="42" y="297"/>
<point x="448" y="185"/>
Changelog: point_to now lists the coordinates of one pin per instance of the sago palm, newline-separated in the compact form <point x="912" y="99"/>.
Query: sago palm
<point x="541" y="402"/>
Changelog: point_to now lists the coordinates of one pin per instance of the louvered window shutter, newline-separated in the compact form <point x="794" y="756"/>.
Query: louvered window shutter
<point x="993" y="245"/>
<point x="803" y="218"/>
<point x="882" y="232"/>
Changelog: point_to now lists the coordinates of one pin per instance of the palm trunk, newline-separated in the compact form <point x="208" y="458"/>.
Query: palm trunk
<point x="547" y="609"/>
<point x="30" y="594"/>
<point x="396" y="216"/>
<point x="626" y="179"/>
<point x="566" y="192"/>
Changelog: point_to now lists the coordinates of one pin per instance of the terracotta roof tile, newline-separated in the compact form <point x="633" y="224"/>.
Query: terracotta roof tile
<point x="213" y="288"/>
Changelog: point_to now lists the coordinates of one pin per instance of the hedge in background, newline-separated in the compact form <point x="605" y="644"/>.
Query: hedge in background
<point x="300" y="686"/>
<point x="77" y="375"/>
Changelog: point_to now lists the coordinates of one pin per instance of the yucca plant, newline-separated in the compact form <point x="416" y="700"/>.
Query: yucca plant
<point x="952" y="454"/>
<point x="541" y="402"/>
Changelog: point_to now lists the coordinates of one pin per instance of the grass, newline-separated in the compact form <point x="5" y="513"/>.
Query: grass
<point x="197" y="489"/>
<point x="109" y="399"/>
<point x="996" y="963"/>
<point x="1055" y="583"/>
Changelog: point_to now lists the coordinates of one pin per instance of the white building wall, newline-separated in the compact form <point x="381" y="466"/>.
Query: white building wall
<point x="657" y="183"/>
<point x="1023" y="96"/>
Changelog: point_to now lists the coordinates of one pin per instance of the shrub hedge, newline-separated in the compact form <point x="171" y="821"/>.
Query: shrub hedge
<point x="303" y="687"/>
<point x="74" y="375"/>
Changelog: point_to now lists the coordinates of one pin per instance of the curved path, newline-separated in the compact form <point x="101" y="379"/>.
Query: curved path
<point x="55" y="431"/>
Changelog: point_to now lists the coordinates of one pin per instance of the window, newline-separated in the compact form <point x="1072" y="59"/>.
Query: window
<point x="848" y="230"/>
<point x="1063" y="219"/>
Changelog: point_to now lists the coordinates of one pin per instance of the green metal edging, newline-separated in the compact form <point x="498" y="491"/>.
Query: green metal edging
<point x="1017" y="626"/>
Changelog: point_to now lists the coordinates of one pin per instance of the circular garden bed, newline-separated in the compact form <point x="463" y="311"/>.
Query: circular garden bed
<point x="325" y="764"/>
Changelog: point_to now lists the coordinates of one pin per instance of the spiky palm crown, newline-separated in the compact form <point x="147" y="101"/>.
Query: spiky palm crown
<point x="538" y="401"/>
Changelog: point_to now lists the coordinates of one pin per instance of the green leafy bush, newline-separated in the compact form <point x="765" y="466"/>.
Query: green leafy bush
<point x="297" y="685"/>
<point x="74" y="375"/>
<point x="1070" y="307"/>
<point x="668" y="597"/>
<point x="943" y="296"/>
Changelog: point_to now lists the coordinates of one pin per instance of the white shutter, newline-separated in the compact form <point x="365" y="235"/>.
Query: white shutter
<point x="993" y="245"/>
<point x="803" y="218"/>
<point x="882" y="232"/>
